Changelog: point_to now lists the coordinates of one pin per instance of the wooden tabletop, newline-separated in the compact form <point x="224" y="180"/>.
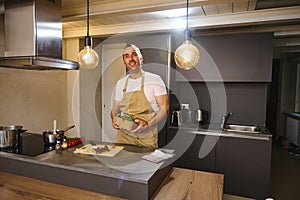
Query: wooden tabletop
<point x="180" y="184"/>
<point x="189" y="185"/>
<point x="13" y="187"/>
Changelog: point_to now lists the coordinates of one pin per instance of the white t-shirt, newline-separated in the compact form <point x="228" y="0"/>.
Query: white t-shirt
<point x="153" y="86"/>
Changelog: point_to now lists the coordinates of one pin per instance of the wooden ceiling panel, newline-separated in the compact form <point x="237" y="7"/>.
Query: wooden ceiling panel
<point x="210" y="10"/>
<point x="198" y="11"/>
<point x="225" y="8"/>
<point x="108" y="17"/>
<point x="251" y="5"/>
<point x="240" y="6"/>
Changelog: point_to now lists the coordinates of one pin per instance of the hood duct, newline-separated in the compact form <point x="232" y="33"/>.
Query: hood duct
<point x="31" y="35"/>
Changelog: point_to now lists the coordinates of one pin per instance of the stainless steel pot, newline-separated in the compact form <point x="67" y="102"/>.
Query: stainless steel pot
<point x="10" y="136"/>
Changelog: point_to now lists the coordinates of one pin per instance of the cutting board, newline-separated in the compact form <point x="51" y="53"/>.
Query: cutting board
<point x="90" y="150"/>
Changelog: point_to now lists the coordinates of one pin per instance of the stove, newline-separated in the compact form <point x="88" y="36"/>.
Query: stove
<point x="31" y="144"/>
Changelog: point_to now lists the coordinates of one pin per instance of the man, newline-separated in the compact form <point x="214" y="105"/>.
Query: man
<point x="143" y="96"/>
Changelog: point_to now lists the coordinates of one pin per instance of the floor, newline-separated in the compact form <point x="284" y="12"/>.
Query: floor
<point x="285" y="172"/>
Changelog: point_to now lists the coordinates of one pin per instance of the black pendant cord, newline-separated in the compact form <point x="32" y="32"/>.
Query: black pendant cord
<point x="88" y="17"/>
<point x="187" y="31"/>
<point x="88" y="38"/>
<point x="187" y="14"/>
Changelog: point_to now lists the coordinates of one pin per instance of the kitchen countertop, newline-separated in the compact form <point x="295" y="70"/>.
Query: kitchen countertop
<point x="118" y="175"/>
<point x="214" y="129"/>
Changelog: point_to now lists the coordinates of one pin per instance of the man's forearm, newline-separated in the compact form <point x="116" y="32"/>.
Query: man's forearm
<point x="113" y="114"/>
<point x="160" y="115"/>
<point x="115" y="110"/>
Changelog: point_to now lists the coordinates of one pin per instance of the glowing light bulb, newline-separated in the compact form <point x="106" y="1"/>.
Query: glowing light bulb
<point x="187" y="55"/>
<point x="88" y="58"/>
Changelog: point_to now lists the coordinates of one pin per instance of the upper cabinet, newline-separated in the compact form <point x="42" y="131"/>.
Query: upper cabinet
<point x="231" y="58"/>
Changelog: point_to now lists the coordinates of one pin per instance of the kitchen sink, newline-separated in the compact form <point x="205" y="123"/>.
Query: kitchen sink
<point x="243" y="128"/>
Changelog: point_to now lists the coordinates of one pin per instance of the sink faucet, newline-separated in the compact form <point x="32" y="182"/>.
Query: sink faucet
<point x="224" y="120"/>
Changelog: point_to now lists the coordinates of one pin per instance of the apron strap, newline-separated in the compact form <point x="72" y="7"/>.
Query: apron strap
<point x="126" y="83"/>
<point x="142" y="84"/>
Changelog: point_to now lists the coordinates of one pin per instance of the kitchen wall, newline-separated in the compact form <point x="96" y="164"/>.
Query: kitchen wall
<point x="2" y="35"/>
<point x="70" y="52"/>
<point x="33" y="99"/>
<point x="247" y="101"/>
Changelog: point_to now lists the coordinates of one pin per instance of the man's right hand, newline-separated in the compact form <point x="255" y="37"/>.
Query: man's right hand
<point x="114" y="123"/>
<point x="115" y="111"/>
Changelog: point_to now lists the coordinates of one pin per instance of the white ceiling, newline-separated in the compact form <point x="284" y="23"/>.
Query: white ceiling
<point x="109" y="17"/>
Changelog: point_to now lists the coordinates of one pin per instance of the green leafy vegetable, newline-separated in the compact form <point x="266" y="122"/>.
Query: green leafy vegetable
<point x="128" y="118"/>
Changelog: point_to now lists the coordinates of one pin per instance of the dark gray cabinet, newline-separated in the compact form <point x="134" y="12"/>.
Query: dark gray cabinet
<point x="190" y="158"/>
<point x="232" y="58"/>
<point x="246" y="165"/>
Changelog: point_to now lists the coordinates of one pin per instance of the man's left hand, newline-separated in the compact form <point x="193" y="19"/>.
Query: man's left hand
<point x="142" y="126"/>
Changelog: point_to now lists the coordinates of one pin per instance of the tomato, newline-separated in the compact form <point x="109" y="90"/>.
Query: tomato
<point x="82" y="139"/>
<point x="113" y="146"/>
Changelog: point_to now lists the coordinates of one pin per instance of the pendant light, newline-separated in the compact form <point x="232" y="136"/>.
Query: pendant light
<point x="87" y="57"/>
<point x="187" y="55"/>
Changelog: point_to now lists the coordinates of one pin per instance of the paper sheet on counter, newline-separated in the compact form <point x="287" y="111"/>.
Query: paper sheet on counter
<point x="158" y="156"/>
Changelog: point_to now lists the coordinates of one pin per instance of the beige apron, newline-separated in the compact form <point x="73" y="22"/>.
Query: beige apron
<point x="136" y="104"/>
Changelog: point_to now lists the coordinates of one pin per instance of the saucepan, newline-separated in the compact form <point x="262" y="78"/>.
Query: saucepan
<point x="50" y="138"/>
<point x="62" y="132"/>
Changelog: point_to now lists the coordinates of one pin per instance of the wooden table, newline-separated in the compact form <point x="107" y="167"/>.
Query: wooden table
<point x="13" y="187"/>
<point x="189" y="185"/>
<point x="180" y="184"/>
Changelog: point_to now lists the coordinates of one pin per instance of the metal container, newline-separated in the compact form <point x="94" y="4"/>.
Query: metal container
<point x="201" y="116"/>
<point x="176" y="118"/>
<point x="10" y="136"/>
<point x="49" y="138"/>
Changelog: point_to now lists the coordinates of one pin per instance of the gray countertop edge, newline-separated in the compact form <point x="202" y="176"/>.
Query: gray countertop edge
<point x="35" y="160"/>
<point x="32" y="167"/>
<point x="219" y="133"/>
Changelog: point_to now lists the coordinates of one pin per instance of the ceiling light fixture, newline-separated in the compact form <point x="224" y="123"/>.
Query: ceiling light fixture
<point x="87" y="57"/>
<point x="187" y="55"/>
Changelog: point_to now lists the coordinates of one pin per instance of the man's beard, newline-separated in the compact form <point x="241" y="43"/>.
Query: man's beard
<point x="135" y="69"/>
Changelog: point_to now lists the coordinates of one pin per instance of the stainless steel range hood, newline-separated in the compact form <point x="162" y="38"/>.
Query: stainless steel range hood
<point x="31" y="35"/>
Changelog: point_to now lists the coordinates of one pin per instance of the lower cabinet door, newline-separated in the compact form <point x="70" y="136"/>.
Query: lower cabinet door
<point x="199" y="150"/>
<point x="246" y="165"/>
